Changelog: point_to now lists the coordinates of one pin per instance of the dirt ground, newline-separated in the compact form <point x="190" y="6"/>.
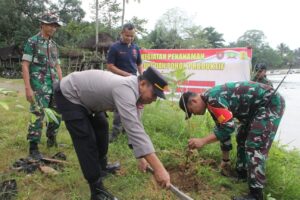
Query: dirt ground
<point x="185" y="178"/>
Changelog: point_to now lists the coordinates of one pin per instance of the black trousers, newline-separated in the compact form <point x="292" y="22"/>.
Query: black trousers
<point x="89" y="133"/>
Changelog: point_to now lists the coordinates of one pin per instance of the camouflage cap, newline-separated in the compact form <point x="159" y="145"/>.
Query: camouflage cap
<point x="51" y="18"/>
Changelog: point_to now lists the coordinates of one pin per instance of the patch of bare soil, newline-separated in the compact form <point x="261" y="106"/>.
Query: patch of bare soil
<point x="186" y="179"/>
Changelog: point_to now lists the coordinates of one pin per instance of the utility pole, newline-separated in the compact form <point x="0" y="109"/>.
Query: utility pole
<point x="97" y="24"/>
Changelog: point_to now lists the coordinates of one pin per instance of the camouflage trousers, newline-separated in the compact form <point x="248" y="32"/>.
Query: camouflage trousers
<point x="37" y="118"/>
<point x="254" y="141"/>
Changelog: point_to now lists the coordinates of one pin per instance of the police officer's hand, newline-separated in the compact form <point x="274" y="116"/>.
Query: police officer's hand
<point x="29" y="95"/>
<point x="196" y="143"/>
<point x="162" y="177"/>
<point x="143" y="164"/>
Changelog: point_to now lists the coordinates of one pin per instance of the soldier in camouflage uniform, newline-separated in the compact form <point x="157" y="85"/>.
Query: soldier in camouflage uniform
<point x="260" y="74"/>
<point x="260" y="77"/>
<point x="41" y="69"/>
<point x="259" y="111"/>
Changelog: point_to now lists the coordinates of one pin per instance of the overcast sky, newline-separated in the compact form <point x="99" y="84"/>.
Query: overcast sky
<point x="278" y="19"/>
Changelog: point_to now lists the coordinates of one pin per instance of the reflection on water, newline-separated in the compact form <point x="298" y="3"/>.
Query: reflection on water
<point x="289" y="132"/>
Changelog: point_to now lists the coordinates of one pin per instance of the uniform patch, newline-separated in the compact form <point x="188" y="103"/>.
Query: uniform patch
<point x="223" y="115"/>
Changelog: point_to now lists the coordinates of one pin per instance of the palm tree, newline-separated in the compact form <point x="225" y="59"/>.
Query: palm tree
<point x="283" y="49"/>
<point x="214" y="38"/>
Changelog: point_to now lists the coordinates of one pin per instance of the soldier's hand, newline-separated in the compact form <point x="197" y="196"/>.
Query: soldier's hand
<point x="143" y="164"/>
<point x="196" y="143"/>
<point x="29" y="95"/>
<point x="162" y="177"/>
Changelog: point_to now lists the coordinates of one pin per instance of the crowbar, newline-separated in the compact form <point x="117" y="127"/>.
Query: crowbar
<point x="181" y="195"/>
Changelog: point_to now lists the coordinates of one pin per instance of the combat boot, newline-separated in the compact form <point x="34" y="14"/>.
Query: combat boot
<point x="113" y="136"/>
<point x="254" y="194"/>
<point x="34" y="152"/>
<point x="242" y="175"/>
<point x="98" y="192"/>
<point x="108" y="168"/>
<point x="51" y="141"/>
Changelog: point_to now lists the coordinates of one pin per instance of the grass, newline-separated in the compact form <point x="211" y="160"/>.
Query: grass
<point x="165" y="124"/>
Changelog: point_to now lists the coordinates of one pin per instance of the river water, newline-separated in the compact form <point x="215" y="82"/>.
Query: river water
<point x="289" y="129"/>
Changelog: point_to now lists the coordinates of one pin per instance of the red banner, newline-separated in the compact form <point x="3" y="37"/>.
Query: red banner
<point x="209" y="67"/>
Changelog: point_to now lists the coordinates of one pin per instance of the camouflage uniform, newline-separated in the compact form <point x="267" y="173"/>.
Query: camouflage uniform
<point x="246" y="101"/>
<point x="43" y="57"/>
<point x="263" y="80"/>
<point x="226" y="144"/>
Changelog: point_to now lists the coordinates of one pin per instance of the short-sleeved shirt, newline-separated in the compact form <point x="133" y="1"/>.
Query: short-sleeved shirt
<point x="125" y="57"/>
<point x="241" y="99"/>
<point x="98" y="91"/>
<point x="43" y="57"/>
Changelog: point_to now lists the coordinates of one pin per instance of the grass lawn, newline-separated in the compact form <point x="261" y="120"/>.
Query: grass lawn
<point x="198" y="175"/>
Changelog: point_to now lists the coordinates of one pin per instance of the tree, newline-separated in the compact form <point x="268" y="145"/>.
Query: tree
<point x="109" y="16"/>
<point x="171" y="31"/>
<point x="268" y="56"/>
<point x="195" y="38"/>
<point x="161" y="38"/>
<point x="123" y="10"/>
<point x="283" y="49"/>
<point x="297" y="58"/>
<point x="78" y="32"/>
<point x="176" y="20"/>
<point x="23" y="21"/>
<point x="215" y="39"/>
<point x="286" y="55"/>
<point x="68" y="10"/>
<point x="139" y="25"/>
<point x="256" y="40"/>
<point x="109" y="13"/>
<point x="253" y="38"/>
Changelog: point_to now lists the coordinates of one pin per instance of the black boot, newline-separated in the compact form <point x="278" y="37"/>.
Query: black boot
<point x="112" y="167"/>
<point x="34" y="152"/>
<point x="108" y="167"/>
<point x="257" y="193"/>
<point x="51" y="141"/>
<point x="113" y="136"/>
<point x="98" y="192"/>
<point x="254" y="194"/>
<point x="242" y="175"/>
